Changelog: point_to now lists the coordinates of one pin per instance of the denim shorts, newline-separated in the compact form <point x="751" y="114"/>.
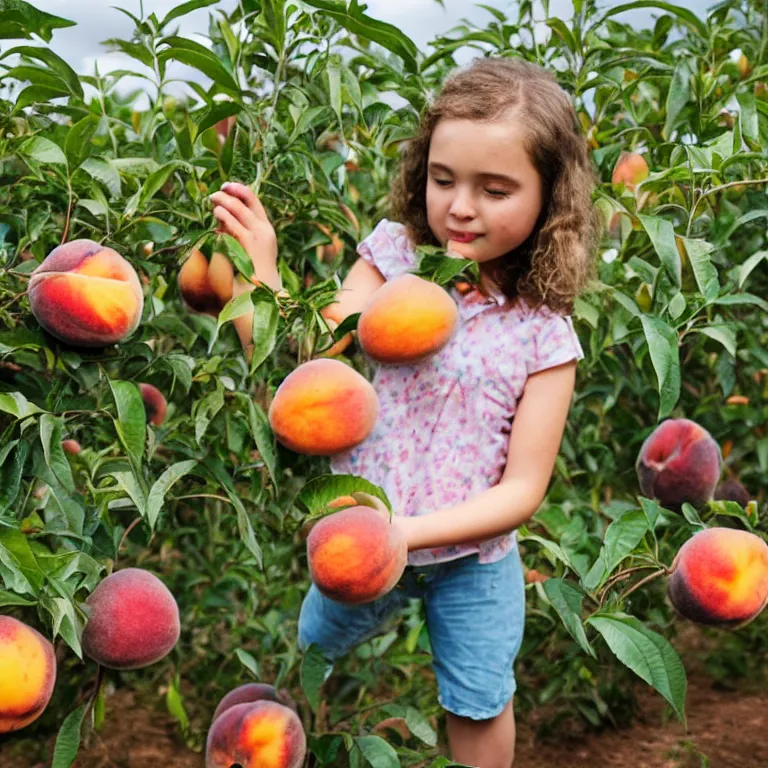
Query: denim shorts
<point x="475" y="616"/>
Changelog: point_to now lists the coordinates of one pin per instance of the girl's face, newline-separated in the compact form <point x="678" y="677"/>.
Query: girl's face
<point x="481" y="183"/>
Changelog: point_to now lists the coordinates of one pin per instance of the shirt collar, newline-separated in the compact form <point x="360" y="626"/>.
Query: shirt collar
<point x="471" y="301"/>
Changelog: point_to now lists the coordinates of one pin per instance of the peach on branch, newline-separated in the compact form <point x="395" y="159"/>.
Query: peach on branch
<point x="27" y="674"/>
<point x="720" y="577"/>
<point x="260" y="734"/>
<point x="323" y="407"/>
<point x="155" y="404"/>
<point x="631" y="168"/>
<point x="356" y="555"/>
<point x="205" y="287"/>
<point x="406" y="320"/>
<point x="86" y="294"/>
<point x="133" y="620"/>
<point x="732" y="490"/>
<point x="251" y="692"/>
<point x="679" y="462"/>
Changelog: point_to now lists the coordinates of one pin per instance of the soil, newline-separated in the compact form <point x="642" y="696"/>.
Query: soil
<point x="726" y="729"/>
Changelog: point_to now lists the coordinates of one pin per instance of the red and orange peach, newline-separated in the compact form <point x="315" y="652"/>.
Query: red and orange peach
<point x="356" y="555"/>
<point x="206" y="287"/>
<point x="679" y="462"/>
<point x="720" y="577"/>
<point x="133" y="620"/>
<point x="86" y="294"/>
<point x="250" y="692"/>
<point x="260" y="734"/>
<point x="323" y="407"/>
<point x="631" y="168"/>
<point x="155" y="404"/>
<point x="406" y="320"/>
<point x="27" y="674"/>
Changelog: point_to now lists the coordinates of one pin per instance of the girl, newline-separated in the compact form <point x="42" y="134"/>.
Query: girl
<point x="466" y="441"/>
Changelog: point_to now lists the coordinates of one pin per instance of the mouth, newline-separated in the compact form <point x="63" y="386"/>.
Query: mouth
<point x="462" y="237"/>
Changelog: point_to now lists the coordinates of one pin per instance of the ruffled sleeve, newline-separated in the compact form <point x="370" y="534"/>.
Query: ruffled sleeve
<point x="389" y="249"/>
<point x="555" y="342"/>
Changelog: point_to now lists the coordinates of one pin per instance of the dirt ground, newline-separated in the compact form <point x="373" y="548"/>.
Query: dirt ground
<point x="726" y="729"/>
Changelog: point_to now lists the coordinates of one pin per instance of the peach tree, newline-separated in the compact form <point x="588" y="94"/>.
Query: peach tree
<point x="294" y="99"/>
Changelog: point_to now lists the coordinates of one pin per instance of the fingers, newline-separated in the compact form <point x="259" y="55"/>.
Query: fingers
<point x="237" y="208"/>
<point x="245" y="193"/>
<point x="230" y="224"/>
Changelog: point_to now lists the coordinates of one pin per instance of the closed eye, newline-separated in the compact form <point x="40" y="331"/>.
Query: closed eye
<point x="493" y="192"/>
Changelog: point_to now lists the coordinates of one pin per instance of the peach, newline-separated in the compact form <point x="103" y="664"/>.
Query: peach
<point x="27" y="674"/>
<point x="630" y="169"/>
<point x="260" y="734"/>
<point x="71" y="446"/>
<point x="720" y="577"/>
<point x="356" y="555"/>
<point x="323" y="407"/>
<point x="251" y="692"/>
<point x="133" y="620"/>
<point x="155" y="404"/>
<point x="86" y="295"/>
<point x="679" y="462"/>
<point x="732" y="490"/>
<point x="195" y="285"/>
<point x="406" y="320"/>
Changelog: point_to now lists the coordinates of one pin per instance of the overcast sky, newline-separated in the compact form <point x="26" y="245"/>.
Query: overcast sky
<point x="421" y="20"/>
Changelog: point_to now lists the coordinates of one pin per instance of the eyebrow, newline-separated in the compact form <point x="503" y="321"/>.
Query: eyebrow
<point x="490" y="176"/>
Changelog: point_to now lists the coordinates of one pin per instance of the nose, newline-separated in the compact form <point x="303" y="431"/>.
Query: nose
<point x="462" y="205"/>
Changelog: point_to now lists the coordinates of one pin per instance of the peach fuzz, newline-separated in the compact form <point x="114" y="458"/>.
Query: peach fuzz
<point x="323" y="407"/>
<point x="679" y="462"/>
<point x="261" y="734"/>
<point x="356" y="555"/>
<point x="406" y="320"/>
<point x="155" y="404"/>
<point x="86" y="295"/>
<point x="27" y="674"/>
<point x="133" y="620"/>
<point x="205" y="287"/>
<point x="720" y="577"/>
<point x="630" y="169"/>
<point x="250" y="692"/>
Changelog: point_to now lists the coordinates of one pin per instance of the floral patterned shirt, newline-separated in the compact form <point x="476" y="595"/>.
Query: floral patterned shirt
<point x="443" y="428"/>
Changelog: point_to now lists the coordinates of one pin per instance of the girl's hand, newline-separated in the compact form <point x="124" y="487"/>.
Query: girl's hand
<point x="242" y="215"/>
<point x="399" y="521"/>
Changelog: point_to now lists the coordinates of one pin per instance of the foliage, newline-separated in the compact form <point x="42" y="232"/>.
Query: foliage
<point x="676" y="326"/>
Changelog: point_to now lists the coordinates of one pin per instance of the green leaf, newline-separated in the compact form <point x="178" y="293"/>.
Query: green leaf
<point x="748" y="115"/>
<point x="316" y="494"/>
<point x="662" y="235"/>
<point x="220" y="110"/>
<point x="174" y="703"/>
<point x="682" y="13"/>
<point x="315" y="670"/>
<point x="377" y="752"/>
<point x="263" y="437"/>
<point x="704" y="270"/>
<point x="19" y="19"/>
<point x="665" y="356"/>
<point x="162" y="485"/>
<point x="68" y="740"/>
<point x="16" y="555"/>
<point x="722" y="333"/>
<point x="560" y="28"/>
<point x="54" y="62"/>
<point x="235" y="307"/>
<point x="647" y="654"/>
<point x="43" y="150"/>
<point x="199" y="57"/>
<point x="204" y="411"/>
<point x="678" y="96"/>
<point x="102" y="170"/>
<point x="746" y="268"/>
<point x="350" y="15"/>
<point x="131" y="422"/>
<point x="8" y="598"/>
<point x="37" y="94"/>
<point x="621" y="538"/>
<point x="184" y="9"/>
<point x="17" y="405"/>
<point x="248" y="662"/>
<point x="567" y="599"/>
<point x="50" y="437"/>
<point x="236" y="254"/>
<point x="741" y="298"/>
<point x="79" y="137"/>
<point x="266" y="315"/>
<point x="129" y="483"/>
<point x="155" y="181"/>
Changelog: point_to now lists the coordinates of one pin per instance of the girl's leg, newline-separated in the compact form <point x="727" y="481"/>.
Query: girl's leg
<point x="475" y="619"/>
<point x="483" y="743"/>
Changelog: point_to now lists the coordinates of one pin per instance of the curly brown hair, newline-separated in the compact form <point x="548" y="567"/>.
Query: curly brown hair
<point x="556" y="262"/>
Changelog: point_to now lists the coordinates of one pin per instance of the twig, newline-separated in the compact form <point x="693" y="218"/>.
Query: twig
<point x="125" y="535"/>
<point x="661" y="572"/>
